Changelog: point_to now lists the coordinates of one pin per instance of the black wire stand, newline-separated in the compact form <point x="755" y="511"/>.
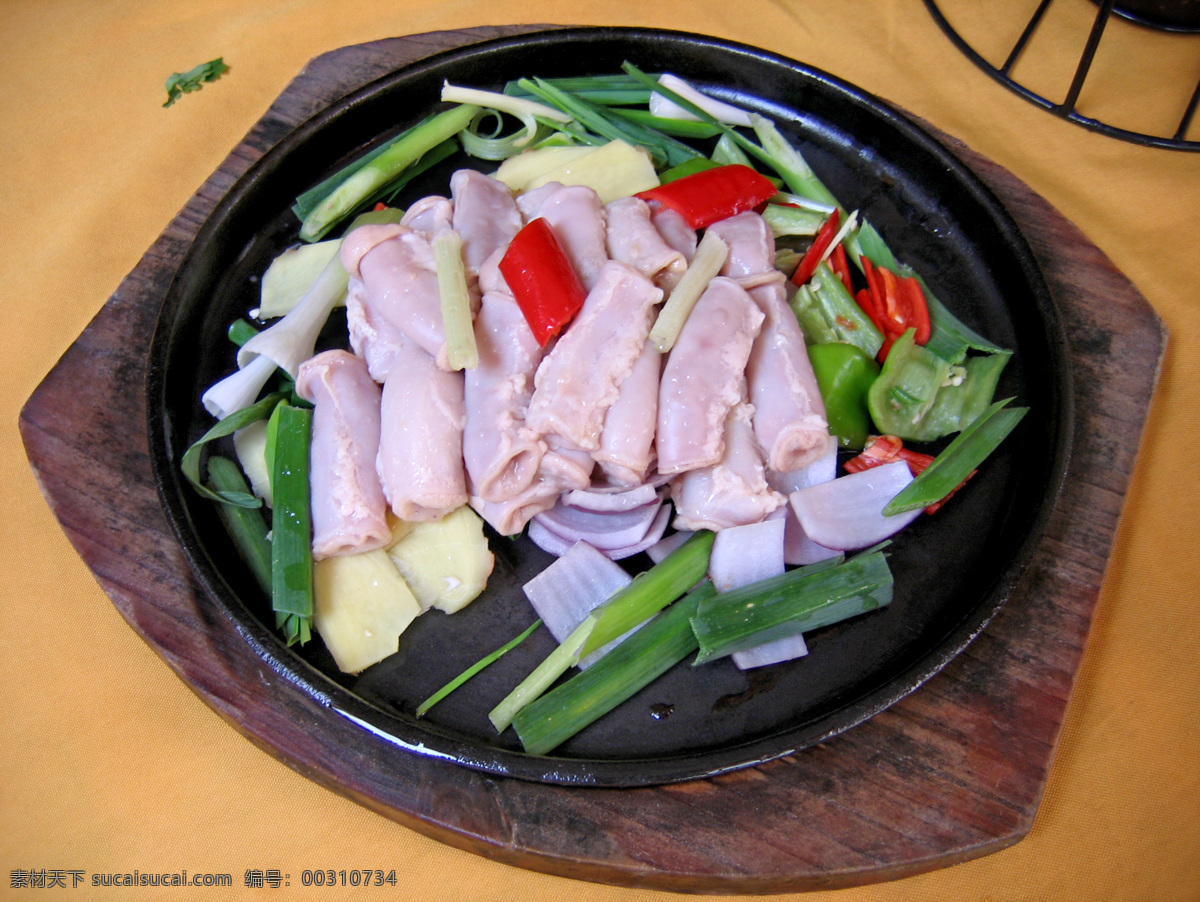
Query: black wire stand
<point x="1181" y="16"/>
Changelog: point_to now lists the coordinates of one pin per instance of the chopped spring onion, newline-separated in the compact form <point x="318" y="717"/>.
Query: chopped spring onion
<point x="635" y="663"/>
<point x="968" y="450"/>
<point x="710" y="256"/>
<point x="380" y="169"/>
<point x="475" y="668"/>
<point x="456" y="301"/>
<point x="291" y="525"/>
<point x="190" y="464"/>
<point x="246" y="526"/>
<point x="605" y="90"/>
<point x="648" y="594"/>
<point x="799" y="601"/>
<point x="676" y="128"/>
<point x="240" y="332"/>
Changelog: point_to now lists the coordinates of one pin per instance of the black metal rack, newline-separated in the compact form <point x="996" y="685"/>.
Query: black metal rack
<point x="1180" y="16"/>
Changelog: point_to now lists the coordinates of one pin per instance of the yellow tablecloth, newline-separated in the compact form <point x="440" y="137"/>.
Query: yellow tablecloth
<point x="109" y="763"/>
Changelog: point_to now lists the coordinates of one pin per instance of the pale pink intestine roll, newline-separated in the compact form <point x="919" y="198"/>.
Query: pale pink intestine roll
<point x="633" y="238"/>
<point x="702" y="377"/>
<point x="420" y="459"/>
<point x="577" y="216"/>
<point x="349" y="512"/>
<point x="627" y="443"/>
<point x="501" y="453"/>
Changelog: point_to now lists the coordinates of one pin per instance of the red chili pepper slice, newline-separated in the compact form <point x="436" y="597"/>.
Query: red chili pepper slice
<point x="841" y="266"/>
<point x="542" y="279"/>
<point x="703" y="198"/>
<point x="808" y="263"/>
<point x="919" y="318"/>
<point x="884" y="449"/>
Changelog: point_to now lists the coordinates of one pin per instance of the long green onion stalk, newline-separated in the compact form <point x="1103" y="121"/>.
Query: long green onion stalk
<point x="291" y="525"/>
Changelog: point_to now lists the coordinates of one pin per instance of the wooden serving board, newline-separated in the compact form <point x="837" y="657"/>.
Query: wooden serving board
<point x="954" y="771"/>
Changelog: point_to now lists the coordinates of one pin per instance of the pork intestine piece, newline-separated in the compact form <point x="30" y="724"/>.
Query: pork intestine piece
<point x="420" y="460"/>
<point x="627" y="442"/>
<point x="789" y="414"/>
<point x="500" y="452"/>
<point x="349" y="512"/>
<point x="580" y="378"/>
<point x="396" y="267"/>
<point x="675" y="230"/>
<point x="372" y="337"/>
<point x="429" y="215"/>
<point x="751" y="243"/>
<point x="632" y="238"/>
<point x="485" y="216"/>
<point x="732" y="492"/>
<point x="702" y="377"/>
<point x="577" y="217"/>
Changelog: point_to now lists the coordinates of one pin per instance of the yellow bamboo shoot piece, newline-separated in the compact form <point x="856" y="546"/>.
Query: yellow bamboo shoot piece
<point x="361" y="605"/>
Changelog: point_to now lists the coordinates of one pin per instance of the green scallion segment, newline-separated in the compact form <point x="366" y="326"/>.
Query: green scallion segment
<point x="963" y="455"/>
<point x="475" y="669"/>
<point x="240" y="332"/>
<point x="190" y="464"/>
<point x="245" y="526"/>
<point x="377" y="171"/>
<point x="635" y="663"/>
<point x="648" y="594"/>
<point x="291" y="525"/>
<point x="798" y="601"/>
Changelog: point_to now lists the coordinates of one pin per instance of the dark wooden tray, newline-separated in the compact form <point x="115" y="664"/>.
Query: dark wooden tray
<point x="952" y="772"/>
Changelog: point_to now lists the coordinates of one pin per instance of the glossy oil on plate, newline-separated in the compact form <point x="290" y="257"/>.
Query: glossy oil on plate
<point x="952" y="571"/>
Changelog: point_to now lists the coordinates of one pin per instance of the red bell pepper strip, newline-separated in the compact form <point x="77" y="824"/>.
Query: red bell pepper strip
<point x="885" y="449"/>
<point x="808" y="263"/>
<point x="703" y="198"/>
<point x="542" y="279"/>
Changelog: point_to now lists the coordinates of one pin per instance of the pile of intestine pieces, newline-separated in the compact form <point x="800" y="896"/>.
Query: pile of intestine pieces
<point x="597" y="425"/>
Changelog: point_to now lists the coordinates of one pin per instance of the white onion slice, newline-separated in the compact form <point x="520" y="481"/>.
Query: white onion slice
<point x="606" y="531"/>
<point x="570" y="588"/>
<point x="660" y="549"/>
<point x="847" y="513"/>
<point x="746" y="554"/>
<point x="784" y="649"/>
<point x="653" y="535"/>
<point x="668" y="109"/>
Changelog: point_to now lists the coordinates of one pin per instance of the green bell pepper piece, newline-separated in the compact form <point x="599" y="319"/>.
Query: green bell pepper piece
<point x="845" y="374"/>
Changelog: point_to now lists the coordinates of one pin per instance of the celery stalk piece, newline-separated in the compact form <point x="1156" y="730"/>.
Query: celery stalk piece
<point x="790" y="163"/>
<point x="476" y="668"/>
<point x="246" y="527"/>
<point x="710" y="256"/>
<point x="956" y="462"/>
<point x="456" y="301"/>
<point x="648" y="594"/>
<point x="291" y="525"/>
<point x="635" y="663"/>
<point x="798" y="601"/>
<point x="343" y="199"/>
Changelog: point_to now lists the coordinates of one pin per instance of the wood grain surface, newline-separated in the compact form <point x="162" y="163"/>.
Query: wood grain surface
<point x="954" y="771"/>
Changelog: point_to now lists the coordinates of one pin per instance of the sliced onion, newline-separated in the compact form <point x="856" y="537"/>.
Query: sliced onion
<point x="605" y="531"/>
<point x="660" y="549"/>
<point x="653" y="535"/>
<point x="784" y="649"/>
<point x="571" y="587"/>
<point x="847" y="513"/>
<point x="746" y="554"/>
